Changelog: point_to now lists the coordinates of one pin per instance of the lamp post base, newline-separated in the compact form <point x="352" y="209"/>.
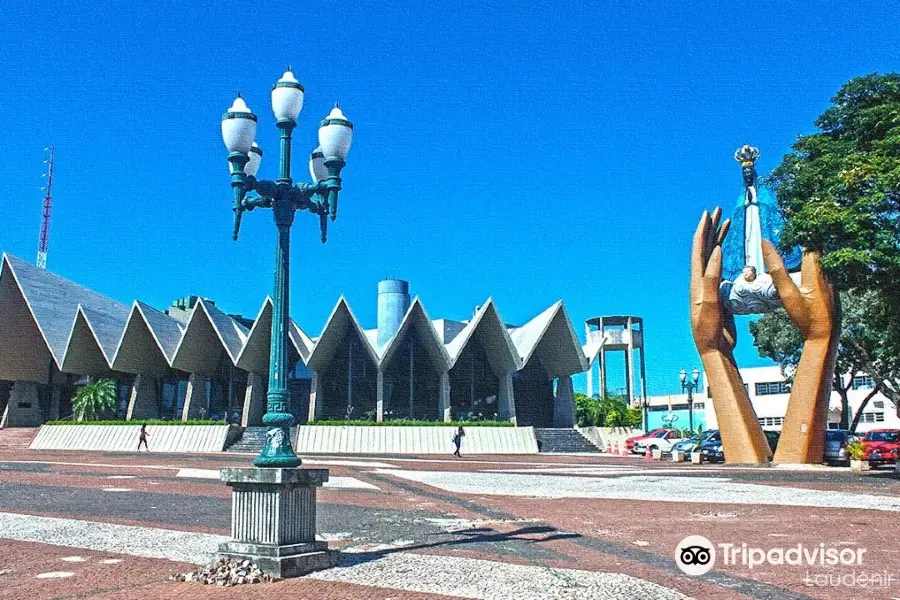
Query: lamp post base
<point x="273" y="520"/>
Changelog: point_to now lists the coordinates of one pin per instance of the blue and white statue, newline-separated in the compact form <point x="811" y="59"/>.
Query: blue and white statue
<point x="747" y="288"/>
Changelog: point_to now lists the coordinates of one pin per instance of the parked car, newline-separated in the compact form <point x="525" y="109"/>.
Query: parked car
<point x="689" y="445"/>
<point x="712" y="449"/>
<point x="836" y="441"/>
<point x="772" y="437"/>
<point x="629" y="443"/>
<point x="882" y="446"/>
<point x="664" y="441"/>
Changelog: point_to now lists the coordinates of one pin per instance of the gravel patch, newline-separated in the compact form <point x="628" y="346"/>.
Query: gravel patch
<point x="643" y="488"/>
<point x="148" y="542"/>
<point x="477" y="578"/>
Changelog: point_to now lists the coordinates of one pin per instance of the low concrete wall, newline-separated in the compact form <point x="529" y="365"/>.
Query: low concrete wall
<point x="599" y="436"/>
<point x="124" y="438"/>
<point x="330" y="439"/>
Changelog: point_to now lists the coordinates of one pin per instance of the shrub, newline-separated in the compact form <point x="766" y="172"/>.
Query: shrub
<point x="412" y="423"/>
<point x="138" y="422"/>
<point x="94" y="399"/>
<point x="856" y="450"/>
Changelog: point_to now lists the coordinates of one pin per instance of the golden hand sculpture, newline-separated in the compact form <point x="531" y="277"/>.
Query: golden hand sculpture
<point x="714" y="334"/>
<point x="811" y="307"/>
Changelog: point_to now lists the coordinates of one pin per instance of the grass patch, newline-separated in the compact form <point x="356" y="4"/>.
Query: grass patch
<point x="138" y="422"/>
<point x="411" y="423"/>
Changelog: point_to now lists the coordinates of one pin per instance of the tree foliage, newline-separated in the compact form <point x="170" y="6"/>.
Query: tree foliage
<point x="839" y="191"/>
<point x="611" y="411"/>
<point x="95" y="399"/>
<point x="867" y="345"/>
<point x="839" y="188"/>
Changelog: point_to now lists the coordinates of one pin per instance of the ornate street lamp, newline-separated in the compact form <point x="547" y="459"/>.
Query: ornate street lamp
<point x="284" y="198"/>
<point x="689" y="386"/>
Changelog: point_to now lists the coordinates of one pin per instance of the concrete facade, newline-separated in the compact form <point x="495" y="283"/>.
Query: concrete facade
<point x="195" y="361"/>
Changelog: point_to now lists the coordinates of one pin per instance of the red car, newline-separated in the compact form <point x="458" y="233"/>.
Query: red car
<point x="882" y="446"/>
<point x="629" y="443"/>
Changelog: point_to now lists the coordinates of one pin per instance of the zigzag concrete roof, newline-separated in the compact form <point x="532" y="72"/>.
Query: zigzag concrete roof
<point x="339" y="321"/>
<point x="254" y="355"/>
<point x="207" y="328"/>
<point x="489" y="327"/>
<point x="418" y="318"/>
<point x="53" y="302"/>
<point x="49" y="318"/>
<point x="552" y="333"/>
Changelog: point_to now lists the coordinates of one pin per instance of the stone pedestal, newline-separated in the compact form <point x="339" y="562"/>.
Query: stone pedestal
<point x="273" y="520"/>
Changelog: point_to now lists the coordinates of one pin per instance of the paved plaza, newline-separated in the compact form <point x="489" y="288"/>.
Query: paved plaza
<point x="114" y="525"/>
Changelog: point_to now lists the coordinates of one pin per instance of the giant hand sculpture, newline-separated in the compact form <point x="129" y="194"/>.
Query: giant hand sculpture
<point x="715" y="336"/>
<point x="811" y="307"/>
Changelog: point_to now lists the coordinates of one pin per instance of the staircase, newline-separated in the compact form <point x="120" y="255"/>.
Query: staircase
<point x="17" y="437"/>
<point x="563" y="440"/>
<point x="253" y="439"/>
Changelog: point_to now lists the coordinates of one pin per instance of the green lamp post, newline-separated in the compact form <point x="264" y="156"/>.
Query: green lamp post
<point x="284" y="198"/>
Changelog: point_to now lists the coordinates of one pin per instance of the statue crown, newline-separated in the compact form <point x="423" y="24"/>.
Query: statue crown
<point x="746" y="155"/>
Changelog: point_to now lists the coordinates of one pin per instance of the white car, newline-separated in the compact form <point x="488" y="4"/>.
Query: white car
<point x="664" y="442"/>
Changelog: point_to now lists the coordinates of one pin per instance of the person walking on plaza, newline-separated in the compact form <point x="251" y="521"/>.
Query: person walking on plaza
<point x="457" y="440"/>
<point x="143" y="440"/>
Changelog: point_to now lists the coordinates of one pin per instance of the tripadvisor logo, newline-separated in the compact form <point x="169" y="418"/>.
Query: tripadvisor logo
<point x="696" y="555"/>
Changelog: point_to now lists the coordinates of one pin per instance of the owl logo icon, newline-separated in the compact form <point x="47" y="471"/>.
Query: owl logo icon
<point x="695" y="555"/>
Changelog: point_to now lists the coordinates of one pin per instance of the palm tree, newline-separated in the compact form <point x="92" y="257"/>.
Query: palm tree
<point x="94" y="399"/>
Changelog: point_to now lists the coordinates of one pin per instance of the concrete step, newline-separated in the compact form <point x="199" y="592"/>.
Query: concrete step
<point x="253" y="439"/>
<point x="17" y="437"/>
<point x="563" y="440"/>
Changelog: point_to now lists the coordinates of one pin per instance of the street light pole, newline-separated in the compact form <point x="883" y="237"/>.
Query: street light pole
<point x="690" y="386"/>
<point x="284" y="198"/>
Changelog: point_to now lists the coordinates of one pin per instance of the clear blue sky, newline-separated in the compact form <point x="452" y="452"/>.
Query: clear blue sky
<point x="527" y="151"/>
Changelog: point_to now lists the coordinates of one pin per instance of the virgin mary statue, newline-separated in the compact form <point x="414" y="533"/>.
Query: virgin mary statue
<point x="746" y="287"/>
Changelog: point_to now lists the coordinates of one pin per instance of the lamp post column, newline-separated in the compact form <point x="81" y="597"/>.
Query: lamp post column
<point x="278" y="451"/>
<point x="690" y="399"/>
<point x="646" y="404"/>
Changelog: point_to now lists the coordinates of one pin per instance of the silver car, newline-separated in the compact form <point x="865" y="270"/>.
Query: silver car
<point x="836" y="441"/>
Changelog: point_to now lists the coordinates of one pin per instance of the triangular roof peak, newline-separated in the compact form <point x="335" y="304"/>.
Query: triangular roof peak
<point x="53" y="301"/>
<point x="486" y="318"/>
<point x="91" y="357"/>
<point x="417" y="317"/>
<point x="131" y="352"/>
<point x="554" y="319"/>
<point x="333" y="332"/>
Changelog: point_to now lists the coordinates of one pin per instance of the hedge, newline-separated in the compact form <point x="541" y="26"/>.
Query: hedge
<point x="410" y="423"/>
<point x="138" y="422"/>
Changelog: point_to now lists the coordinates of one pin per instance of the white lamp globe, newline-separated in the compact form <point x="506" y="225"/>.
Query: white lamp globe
<point x="317" y="169"/>
<point x="238" y="127"/>
<point x="287" y="97"/>
<point x="255" y="155"/>
<point x="335" y="134"/>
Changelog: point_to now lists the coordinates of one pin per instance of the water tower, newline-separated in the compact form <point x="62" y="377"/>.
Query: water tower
<point x="616" y="334"/>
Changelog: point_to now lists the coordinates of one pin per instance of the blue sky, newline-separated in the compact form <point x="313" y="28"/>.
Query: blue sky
<point x="527" y="151"/>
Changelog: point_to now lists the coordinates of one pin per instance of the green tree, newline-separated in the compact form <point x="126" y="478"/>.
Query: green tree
<point x="94" y="399"/>
<point x="839" y="188"/>
<point x="861" y="339"/>
<point x="839" y="191"/>
<point x="611" y="411"/>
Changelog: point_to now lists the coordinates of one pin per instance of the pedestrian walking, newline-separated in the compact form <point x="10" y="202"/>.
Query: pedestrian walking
<point x="143" y="440"/>
<point x="457" y="440"/>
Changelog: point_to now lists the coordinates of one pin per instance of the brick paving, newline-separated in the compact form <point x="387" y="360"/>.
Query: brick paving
<point x="408" y="519"/>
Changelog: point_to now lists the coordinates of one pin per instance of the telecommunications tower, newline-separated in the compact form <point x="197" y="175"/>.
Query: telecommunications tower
<point x="48" y="205"/>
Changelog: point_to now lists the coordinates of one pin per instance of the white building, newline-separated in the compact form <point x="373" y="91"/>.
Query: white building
<point x="769" y="395"/>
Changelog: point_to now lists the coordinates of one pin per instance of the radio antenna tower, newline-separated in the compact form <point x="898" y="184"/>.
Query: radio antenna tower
<point x="48" y="205"/>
